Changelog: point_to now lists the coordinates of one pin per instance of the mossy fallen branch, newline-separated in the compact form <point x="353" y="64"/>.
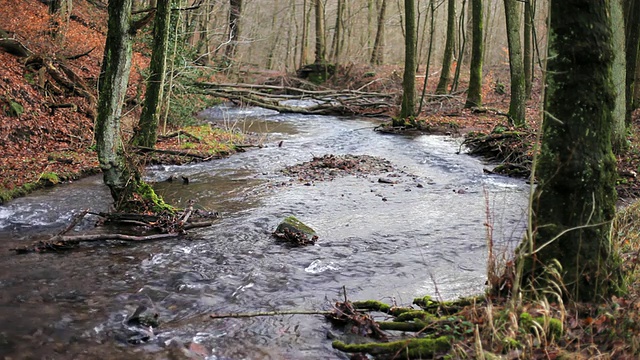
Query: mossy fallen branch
<point x="405" y="349"/>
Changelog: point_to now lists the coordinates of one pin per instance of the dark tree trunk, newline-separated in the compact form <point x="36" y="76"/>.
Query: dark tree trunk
<point x="575" y="199"/>
<point x="377" y="54"/>
<point x="147" y="132"/>
<point x="235" y="10"/>
<point x="474" y="94"/>
<point x="445" y="74"/>
<point x="409" y="80"/>
<point x="321" y="49"/>
<point x="528" y="49"/>
<point x="632" y="26"/>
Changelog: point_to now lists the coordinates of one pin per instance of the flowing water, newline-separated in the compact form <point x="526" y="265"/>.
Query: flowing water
<point x="390" y="242"/>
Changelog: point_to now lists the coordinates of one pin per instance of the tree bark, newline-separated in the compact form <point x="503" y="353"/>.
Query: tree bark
<point x="528" y="49"/>
<point x="632" y="27"/>
<point x="445" y="74"/>
<point x="618" y="72"/>
<point x="409" y="79"/>
<point x="321" y="49"/>
<point x="575" y="198"/>
<point x="517" y="104"/>
<point x="235" y="10"/>
<point x="474" y="94"/>
<point x="377" y="54"/>
<point x="116" y="65"/>
<point x="147" y="132"/>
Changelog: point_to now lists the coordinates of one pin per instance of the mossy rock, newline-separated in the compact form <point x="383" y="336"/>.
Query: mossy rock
<point x="555" y="328"/>
<point x="295" y="231"/>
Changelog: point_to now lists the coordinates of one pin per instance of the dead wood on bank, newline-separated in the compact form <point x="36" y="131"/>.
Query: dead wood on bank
<point x="321" y="102"/>
<point x="164" y="226"/>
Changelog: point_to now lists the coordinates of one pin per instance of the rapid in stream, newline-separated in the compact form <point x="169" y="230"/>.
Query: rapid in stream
<point x="390" y="242"/>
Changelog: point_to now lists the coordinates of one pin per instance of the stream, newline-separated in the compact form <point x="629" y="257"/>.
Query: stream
<point x="424" y="235"/>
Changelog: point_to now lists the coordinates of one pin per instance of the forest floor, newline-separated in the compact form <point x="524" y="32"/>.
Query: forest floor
<point x="42" y="142"/>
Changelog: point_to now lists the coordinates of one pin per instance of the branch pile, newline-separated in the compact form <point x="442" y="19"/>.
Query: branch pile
<point x="323" y="102"/>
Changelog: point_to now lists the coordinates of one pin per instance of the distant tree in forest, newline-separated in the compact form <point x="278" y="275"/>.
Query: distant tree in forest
<point x="409" y="79"/>
<point x="146" y="133"/>
<point x="474" y="94"/>
<point x="377" y="54"/>
<point x="235" y="10"/>
<point x="517" y="104"/>
<point x="321" y="48"/>
<point x="575" y="200"/>
<point x="445" y="73"/>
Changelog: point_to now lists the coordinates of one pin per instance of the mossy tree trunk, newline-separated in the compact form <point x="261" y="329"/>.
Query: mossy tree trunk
<point x="377" y="54"/>
<point x="619" y="134"/>
<point x="116" y="65"/>
<point x="147" y="132"/>
<point x="575" y="198"/>
<point x="409" y="79"/>
<point x="474" y="94"/>
<point x="517" y="104"/>
<point x="445" y="73"/>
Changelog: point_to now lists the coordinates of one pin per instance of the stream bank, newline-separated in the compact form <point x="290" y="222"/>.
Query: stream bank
<point x="427" y="239"/>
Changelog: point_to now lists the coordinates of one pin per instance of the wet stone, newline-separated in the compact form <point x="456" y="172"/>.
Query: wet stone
<point x="295" y="232"/>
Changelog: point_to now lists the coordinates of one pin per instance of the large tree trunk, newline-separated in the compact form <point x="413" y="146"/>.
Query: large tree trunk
<point x="306" y="14"/>
<point x="445" y="74"/>
<point x="517" y="105"/>
<point x="377" y="54"/>
<point x="409" y="80"/>
<point x="235" y="10"/>
<point x="116" y="65"/>
<point x="321" y="49"/>
<point x="575" y="199"/>
<point x="147" y="132"/>
<point x="474" y="94"/>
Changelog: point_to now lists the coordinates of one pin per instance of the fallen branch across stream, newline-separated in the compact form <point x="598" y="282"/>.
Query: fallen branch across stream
<point x="271" y="313"/>
<point x="323" y="102"/>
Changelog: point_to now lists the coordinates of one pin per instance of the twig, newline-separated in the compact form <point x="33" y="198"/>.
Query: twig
<point x="270" y="313"/>
<point x="74" y="221"/>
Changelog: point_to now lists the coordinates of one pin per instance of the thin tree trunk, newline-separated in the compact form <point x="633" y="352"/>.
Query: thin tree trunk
<point x="409" y="80"/>
<point x="114" y="77"/>
<point x="147" y="132"/>
<point x="306" y="20"/>
<point x="474" y="94"/>
<point x="445" y="73"/>
<point x="632" y="26"/>
<point x="320" y="35"/>
<point x="528" y="49"/>
<point x="377" y="55"/>
<point x="517" y="104"/>
<point x="463" y="42"/>
<point x="432" y="30"/>
<point x="618" y="69"/>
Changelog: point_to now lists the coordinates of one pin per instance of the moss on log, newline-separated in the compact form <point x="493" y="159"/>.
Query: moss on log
<point x="407" y="349"/>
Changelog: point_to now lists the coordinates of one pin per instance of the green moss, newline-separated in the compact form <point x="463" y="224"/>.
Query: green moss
<point x="409" y="349"/>
<point x="411" y="315"/>
<point x="510" y="343"/>
<point x="15" y="109"/>
<point x="50" y="178"/>
<point x="148" y="194"/>
<point x="554" y="328"/>
<point x="402" y="326"/>
<point x="293" y="224"/>
<point x="372" y="305"/>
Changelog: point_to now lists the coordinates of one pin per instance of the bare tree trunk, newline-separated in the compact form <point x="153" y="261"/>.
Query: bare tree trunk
<point x="320" y="35"/>
<point x="445" y="73"/>
<point x="409" y="80"/>
<point x="235" y="11"/>
<point x="147" y="132"/>
<point x="618" y="69"/>
<point x="306" y="20"/>
<point x="474" y="94"/>
<point x="432" y="30"/>
<point x="528" y="49"/>
<point x="461" y="47"/>
<point x="377" y="55"/>
<point x="336" y="43"/>
<point x="517" y="105"/>
<point x="632" y="26"/>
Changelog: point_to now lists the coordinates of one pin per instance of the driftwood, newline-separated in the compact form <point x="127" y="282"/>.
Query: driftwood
<point x="325" y="102"/>
<point x="170" y="227"/>
<point x="14" y="47"/>
<point x="271" y="313"/>
<point x="186" y="153"/>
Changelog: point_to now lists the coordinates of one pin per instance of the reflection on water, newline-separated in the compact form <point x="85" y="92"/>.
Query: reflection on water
<point x="429" y="232"/>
